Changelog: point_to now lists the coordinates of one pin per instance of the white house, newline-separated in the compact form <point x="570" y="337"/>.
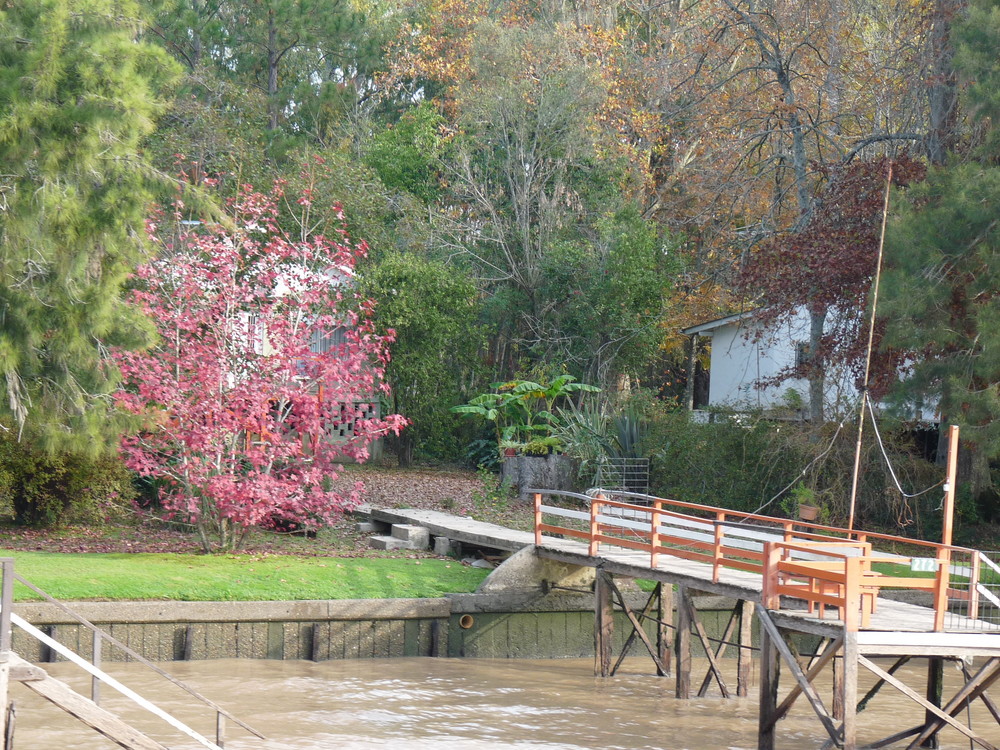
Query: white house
<point x="744" y="356"/>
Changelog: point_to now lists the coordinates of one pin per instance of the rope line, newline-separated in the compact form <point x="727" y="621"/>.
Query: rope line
<point x="798" y="477"/>
<point x="888" y="462"/>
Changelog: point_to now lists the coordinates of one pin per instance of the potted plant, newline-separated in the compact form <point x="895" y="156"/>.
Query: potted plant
<point x="801" y="502"/>
<point x="526" y="424"/>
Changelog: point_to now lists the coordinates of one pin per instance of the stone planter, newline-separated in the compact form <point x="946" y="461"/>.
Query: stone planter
<point x="552" y="472"/>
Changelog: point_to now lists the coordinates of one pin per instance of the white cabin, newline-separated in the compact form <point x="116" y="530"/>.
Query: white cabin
<point x="743" y="356"/>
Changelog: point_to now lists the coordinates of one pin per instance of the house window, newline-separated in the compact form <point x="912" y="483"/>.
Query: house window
<point x="324" y="341"/>
<point x="801" y="354"/>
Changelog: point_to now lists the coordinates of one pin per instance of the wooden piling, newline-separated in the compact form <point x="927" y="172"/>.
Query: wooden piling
<point x="935" y="686"/>
<point x="604" y="624"/>
<point x="744" y="664"/>
<point x="850" y="690"/>
<point x="682" y="644"/>
<point x="769" y="672"/>
<point x="665" y="618"/>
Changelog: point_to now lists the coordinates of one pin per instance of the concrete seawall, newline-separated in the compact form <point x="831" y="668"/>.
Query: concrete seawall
<point x="463" y="625"/>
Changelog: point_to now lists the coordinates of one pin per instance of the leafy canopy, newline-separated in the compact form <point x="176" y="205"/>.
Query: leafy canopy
<point x="262" y="381"/>
<point x="78" y="93"/>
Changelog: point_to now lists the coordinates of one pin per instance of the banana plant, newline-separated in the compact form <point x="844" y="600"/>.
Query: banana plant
<point x="523" y="410"/>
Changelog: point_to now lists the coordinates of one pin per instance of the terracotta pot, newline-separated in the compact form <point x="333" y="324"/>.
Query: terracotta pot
<point x="808" y="512"/>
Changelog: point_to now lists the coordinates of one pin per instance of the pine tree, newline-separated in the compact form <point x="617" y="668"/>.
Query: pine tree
<point x="941" y="293"/>
<point x="79" y="90"/>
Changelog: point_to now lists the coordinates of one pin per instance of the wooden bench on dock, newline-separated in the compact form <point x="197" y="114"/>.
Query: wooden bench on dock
<point x="843" y="580"/>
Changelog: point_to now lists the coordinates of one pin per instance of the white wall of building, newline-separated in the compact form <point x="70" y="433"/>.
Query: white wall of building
<point x="742" y="358"/>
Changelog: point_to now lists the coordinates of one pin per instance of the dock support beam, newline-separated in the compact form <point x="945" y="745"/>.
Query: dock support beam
<point x="850" y="690"/>
<point x="604" y="623"/>
<point x="935" y="685"/>
<point x="744" y="663"/>
<point x="682" y="643"/>
<point x="665" y="617"/>
<point x="769" y="673"/>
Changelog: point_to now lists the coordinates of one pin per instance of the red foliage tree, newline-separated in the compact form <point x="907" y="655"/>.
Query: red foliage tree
<point x="263" y="355"/>
<point x="827" y="267"/>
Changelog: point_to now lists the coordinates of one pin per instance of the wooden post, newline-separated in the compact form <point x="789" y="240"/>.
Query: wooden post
<point x="538" y="518"/>
<point x="683" y="644"/>
<point x="595" y="509"/>
<point x="973" y="611"/>
<point x="852" y="593"/>
<point x="837" y="709"/>
<point x="850" y="689"/>
<point x="220" y="729"/>
<point x="744" y="663"/>
<point x="769" y="674"/>
<point x="604" y="624"/>
<point x="665" y="617"/>
<point x="935" y="685"/>
<point x="949" y="486"/>
<point x="944" y="555"/>
<point x="654" y="536"/>
<point x="4" y="683"/>
<point x="720" y="517"/>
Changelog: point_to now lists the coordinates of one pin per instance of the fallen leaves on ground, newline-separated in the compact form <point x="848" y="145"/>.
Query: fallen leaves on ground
<point x="455" y="491"/>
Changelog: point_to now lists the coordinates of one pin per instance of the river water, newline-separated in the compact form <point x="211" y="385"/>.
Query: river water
<point x="460" y="704"/>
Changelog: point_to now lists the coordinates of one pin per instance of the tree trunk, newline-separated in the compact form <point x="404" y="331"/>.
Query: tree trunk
<point x="817" y="321"/>
<point x="273" y="56"/>
<point x="942" y="93"/>
<point x="404" y="450"/>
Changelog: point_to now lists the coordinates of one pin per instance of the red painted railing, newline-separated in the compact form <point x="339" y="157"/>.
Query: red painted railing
<point x="823" y="565"/>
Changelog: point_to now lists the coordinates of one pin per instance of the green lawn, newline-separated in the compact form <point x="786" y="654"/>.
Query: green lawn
<point x="237" y="578"/>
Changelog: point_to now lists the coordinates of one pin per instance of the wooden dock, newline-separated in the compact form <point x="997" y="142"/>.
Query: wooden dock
<point x="794" y="578"/>
<point x="692" y="549"/>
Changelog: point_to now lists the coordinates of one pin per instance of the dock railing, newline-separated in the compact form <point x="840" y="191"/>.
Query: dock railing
<point x="723" y="538"/>
<point x="93" y="667"/>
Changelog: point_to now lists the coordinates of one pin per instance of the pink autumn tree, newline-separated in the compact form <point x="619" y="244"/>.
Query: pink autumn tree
<point x="265" y="374"/>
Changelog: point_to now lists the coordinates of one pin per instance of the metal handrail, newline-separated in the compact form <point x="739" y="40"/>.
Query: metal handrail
<point x="5" y="616"/>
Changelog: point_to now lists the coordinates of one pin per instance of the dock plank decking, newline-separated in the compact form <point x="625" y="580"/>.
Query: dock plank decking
<point x="785" y="572"/>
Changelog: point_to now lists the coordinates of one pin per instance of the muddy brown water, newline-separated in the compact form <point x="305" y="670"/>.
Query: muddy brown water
<point x="460" y="704"/>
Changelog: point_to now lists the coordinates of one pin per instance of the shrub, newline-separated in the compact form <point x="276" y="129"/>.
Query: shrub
<point x="47" y="489"/>
<point x="744" y="462"/>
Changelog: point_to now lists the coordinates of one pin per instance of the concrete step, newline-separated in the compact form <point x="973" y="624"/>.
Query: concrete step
<point x="418" y="537"/>
<point x="388" y="542"/>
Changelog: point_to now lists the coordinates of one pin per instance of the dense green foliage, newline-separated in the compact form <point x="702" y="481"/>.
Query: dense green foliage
<point x="232" y="578"/>
<point x="544" y="188"/>
<point x="45" y="488"/>
<point x="749" y="464"/>
<point x="940" y="300"/>
<point x="78" y="93"/>
<point x="434" y="312"/>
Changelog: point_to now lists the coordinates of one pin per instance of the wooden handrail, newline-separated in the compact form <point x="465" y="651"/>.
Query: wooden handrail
<point x="708" y="538"/>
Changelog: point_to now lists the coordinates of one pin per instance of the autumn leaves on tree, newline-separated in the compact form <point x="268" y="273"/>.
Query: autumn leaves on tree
<point x="265" y="357"/>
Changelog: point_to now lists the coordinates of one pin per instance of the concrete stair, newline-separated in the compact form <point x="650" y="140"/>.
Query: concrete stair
<point x="403" y="536"/>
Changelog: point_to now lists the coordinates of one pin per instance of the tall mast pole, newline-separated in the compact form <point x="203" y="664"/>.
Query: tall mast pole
<point x="868" y="355"/>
